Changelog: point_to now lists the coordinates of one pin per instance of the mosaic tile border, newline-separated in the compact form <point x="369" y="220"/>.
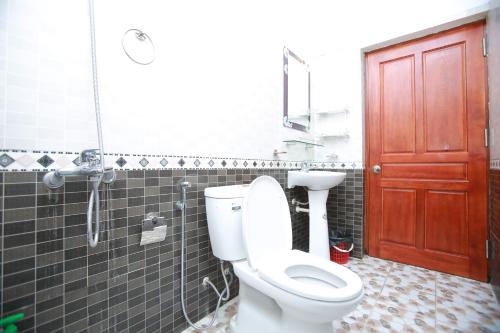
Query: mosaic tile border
<point x="38" y="160"/>
<point x="494" y="164"/>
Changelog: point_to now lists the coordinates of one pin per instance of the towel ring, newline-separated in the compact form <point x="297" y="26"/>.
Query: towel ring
<point x="138" y="54"/>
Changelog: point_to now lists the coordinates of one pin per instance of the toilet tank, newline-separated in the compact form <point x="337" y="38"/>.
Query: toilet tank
<point x="223" y="206"/>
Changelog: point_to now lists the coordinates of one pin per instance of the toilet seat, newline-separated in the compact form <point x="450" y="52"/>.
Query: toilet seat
<point x="267" y="238"/>
<point x="311" y="277"/>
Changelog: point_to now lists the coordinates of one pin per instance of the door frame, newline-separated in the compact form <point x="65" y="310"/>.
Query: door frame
<point x="475" y="18"/>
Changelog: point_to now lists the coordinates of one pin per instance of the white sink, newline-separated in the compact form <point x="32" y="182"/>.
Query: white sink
<point x="318" y="183"/>
<point x="315" y="180"/>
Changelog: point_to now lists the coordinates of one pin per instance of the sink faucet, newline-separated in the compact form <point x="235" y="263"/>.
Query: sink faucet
<point x="305" y="166"/>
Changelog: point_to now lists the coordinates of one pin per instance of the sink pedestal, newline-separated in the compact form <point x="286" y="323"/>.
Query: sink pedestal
<point x="318" y="224"/>
<point x="318" y="183"/>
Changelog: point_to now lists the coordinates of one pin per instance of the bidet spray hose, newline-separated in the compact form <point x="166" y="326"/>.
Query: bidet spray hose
<point x="224" y="295"/>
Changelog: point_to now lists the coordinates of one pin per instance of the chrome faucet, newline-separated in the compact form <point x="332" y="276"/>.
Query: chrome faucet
<point x="90" y="166"/>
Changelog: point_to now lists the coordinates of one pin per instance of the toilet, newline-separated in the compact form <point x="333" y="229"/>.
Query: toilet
<point x="281" y="290"/>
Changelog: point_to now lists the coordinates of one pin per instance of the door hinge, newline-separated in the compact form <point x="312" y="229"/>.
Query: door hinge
<point x="487" y="249"/>
<point x="486" y="137"/>
<point x="485" y="47"/>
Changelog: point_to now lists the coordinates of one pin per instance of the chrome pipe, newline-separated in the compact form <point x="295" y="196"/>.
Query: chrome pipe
<point x="95" y="81"/>
<point x="222" y="296"/>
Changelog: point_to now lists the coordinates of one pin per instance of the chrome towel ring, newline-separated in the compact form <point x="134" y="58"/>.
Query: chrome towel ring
<point x="138" y="46"/>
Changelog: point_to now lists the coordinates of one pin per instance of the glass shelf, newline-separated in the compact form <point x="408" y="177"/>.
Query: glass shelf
<point x="340" y="134"/>
<point x="304" y="142"/>
<point x="331" y="113"/>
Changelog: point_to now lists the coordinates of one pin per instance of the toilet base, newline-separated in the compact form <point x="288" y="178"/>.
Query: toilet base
<point x="292" y="325"/>
<point x="260" y="313"/>
<point x="256" y="312"/>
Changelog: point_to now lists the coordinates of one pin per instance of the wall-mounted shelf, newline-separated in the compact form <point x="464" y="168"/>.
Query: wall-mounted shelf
<point x="302" y="116"/>
<point x="331" y="112"/>
<point x="303" y="142"/>
<point x="339" y="134"/>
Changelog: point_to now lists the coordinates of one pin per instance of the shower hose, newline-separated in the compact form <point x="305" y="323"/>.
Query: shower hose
<point x="94" y="201"/>
<point x="93" y="237"/>
<point x="222" y="296"/>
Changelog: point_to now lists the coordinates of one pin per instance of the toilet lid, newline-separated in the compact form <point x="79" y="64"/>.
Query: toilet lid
<point x="266" y="223"/>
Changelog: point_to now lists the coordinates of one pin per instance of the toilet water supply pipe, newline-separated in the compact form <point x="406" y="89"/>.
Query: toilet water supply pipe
<point x="297" y="205"/>
<point x="224" y="295"/>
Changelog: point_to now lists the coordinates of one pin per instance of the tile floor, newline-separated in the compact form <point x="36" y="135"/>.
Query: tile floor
<point x="403" y="298"/>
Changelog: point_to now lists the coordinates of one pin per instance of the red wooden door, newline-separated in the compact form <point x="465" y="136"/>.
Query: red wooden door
<point x="426" y="115"/>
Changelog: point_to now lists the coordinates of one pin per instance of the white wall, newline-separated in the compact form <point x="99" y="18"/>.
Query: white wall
<point x="215" y="88"/>
<point x="493" y="33"/>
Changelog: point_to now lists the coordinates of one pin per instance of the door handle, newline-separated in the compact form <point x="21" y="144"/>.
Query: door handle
<point x="376" y="169"/>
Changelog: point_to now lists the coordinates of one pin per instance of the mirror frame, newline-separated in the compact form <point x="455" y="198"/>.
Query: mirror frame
<point x="286" y="54"/>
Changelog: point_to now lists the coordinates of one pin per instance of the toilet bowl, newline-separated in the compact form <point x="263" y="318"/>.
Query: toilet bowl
<point x="281" y="290"/>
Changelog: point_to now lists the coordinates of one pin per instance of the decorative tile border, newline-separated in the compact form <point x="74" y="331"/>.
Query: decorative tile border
<point x="37" y="160"/>
<point x="495" y="164"/>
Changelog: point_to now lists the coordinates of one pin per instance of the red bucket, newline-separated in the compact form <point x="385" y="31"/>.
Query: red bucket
<point x="339" y="254"/>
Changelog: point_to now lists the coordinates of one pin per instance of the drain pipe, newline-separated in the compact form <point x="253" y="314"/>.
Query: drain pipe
<point x="301" y="210"/>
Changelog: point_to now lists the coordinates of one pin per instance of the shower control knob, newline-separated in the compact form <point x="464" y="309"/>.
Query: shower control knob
<point x="376" y="169"/>
<point x="89" y="156"/>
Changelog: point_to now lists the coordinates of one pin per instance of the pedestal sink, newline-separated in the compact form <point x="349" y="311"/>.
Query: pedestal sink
<point x="318" y="183"/>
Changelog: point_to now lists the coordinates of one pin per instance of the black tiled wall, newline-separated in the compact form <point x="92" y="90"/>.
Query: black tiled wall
<point x="494" y="224"/>
<point x="345" y="208"/>
<point x="50" y="273"/>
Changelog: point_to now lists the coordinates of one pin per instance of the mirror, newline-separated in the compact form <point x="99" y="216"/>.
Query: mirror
<point x="296" y="92"/>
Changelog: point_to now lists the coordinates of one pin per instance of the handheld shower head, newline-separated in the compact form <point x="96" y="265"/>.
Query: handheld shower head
<point x="183" y="185"/>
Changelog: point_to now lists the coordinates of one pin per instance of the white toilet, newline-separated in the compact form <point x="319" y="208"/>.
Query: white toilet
<point x="281" y="290"/>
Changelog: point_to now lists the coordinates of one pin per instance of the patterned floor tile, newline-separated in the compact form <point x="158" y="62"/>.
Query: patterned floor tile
<point x="387" y="323"/>
<point x="466" y="327"/>
<point x="349" y="324"/>
<point x="451" y="287"/>
<point x="412" y="279"/>
<point x="420" y="271"/>
<point x="402" y="314"/>
<point x="466" y="315"/>
<point x="416" y="302"/>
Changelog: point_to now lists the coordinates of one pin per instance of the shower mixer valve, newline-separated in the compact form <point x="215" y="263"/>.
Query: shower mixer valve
<point x="90" y="166"/>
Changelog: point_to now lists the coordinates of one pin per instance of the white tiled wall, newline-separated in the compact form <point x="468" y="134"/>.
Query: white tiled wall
<point x="215" y="88"/>
<point x="45" y="78"/>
